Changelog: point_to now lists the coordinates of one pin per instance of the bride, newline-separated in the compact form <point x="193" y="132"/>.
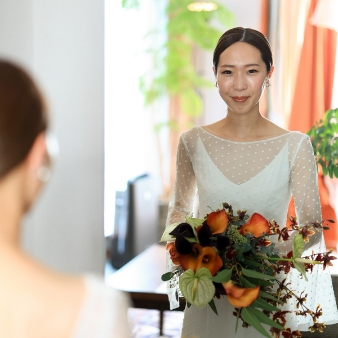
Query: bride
<point x="254" y="165"/>
<point x="37" y="302"/>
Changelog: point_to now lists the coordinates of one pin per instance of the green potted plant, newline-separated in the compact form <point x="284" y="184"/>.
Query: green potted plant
<point x="175" y="74"/>
<point x="324" y="137"/>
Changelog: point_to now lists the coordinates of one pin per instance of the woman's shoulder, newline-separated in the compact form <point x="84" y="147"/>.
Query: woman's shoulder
<point x="110" y="307"/>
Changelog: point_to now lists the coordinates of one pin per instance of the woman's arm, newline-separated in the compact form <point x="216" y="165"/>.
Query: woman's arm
<point x="304" y="185"/>
<point x="182" y="200"/>
<point x="181" y="205"/>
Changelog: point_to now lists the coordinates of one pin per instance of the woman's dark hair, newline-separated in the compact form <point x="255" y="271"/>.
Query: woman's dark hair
<point x="248" y="35"/>
<point x="22" y="115"/>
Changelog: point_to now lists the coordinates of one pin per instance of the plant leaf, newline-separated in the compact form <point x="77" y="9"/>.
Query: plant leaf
<point x="297" y="250"/>
<point x="251" y="319"/>
<point x="262" y="304"/>
<point x="213" y="306"/>
<point x="267" y="295"/>
<point x="166" y="237"/>
<point x="222" y="277"/>
<point x="263" y="318"/>
<point x="197" y="288"/>
<point x="256" y="274"/>
<point x="167" y="276"/>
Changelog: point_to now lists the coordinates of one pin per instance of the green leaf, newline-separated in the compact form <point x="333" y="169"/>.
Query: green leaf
<point x="252" y="320"/>
<point x="263" y="318"/>
<point x="222" y="277"/>
<point x="252" y="263"/>
<point x="267" y="295"/>
<point x="213" y="306"/>
<point x="245" y="283"/>
<point x="256" y="274"/>
<point x="262" y="304"/>
<point x="197" y="288"/>
<point x="297" y="250"/>
<point x="166" y="237"/>
<point x="194" y="222"/>
<point x="167" y="276"/>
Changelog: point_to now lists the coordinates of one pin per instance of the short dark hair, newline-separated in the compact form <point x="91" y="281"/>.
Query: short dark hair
<point x="248" y="35"/>
<point x="22" y="115"/>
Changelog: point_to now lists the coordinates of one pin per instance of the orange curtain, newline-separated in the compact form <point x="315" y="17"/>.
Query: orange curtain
<point x="264" y="28"/>
<point x="312" y="97"/>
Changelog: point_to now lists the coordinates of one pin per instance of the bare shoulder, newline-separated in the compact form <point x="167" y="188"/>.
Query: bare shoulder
<point x="271" y="129"/>
<point x="33" y="294"/>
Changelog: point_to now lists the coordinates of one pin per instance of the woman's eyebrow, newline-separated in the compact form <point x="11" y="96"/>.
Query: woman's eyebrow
<point x="248" y="65"/>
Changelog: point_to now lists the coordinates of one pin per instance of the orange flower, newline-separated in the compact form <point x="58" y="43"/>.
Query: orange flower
<point x="240" y="297"/>
<point x="174" y="255"/>
<point x="200" y="256"/>
<point x="256" y="225"/>
<point x="218" y="221"/>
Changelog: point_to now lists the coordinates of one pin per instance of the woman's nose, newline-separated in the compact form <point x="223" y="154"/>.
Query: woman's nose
<point x="239" y="82"/>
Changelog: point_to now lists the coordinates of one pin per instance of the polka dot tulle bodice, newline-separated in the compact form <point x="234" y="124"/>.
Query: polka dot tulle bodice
<point x="259" y="176"/>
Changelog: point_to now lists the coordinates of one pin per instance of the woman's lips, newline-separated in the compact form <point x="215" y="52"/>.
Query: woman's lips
<point x="240" y="98"/>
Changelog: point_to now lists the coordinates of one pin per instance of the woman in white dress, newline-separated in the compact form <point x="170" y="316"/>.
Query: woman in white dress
<point x="37" y="302"/>
<point x="254" y="165"/>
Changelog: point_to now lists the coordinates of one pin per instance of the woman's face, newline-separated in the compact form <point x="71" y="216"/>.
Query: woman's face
<point x="241" y="75"/>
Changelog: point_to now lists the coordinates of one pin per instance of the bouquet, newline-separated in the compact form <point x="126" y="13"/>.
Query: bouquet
<point x="232" y="255"/>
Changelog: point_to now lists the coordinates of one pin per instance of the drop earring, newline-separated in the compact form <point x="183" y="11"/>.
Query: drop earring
<point x="216" y="84"/>
<point x="44" y="174"/>
<point x="267" y="82"/>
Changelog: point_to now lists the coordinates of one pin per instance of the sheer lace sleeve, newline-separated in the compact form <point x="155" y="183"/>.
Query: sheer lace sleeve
<point x="304" y="185"/>
<point x="181" y="204"/>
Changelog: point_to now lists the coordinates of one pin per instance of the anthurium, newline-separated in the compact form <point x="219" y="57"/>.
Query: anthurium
<point x="197" y="288"/>
<point x="256" y="225"/>
<point x="200" y="257"/>
<point x="218" y="221"/>
<point x="240" y="297"/>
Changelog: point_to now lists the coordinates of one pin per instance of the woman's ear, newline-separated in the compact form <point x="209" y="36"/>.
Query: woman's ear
<point x="271" y="71"/>
<point x="37" y="154"/>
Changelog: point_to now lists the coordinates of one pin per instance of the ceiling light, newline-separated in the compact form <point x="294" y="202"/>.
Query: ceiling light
<point x="199" y="6"/>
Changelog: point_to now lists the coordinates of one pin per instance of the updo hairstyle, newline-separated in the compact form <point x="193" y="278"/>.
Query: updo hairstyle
<point x="248" y="35"/>
<point x="22" y="115"/>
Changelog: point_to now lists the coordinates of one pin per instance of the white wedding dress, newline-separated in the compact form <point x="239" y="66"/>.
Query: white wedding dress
<point x="257" y="176"/>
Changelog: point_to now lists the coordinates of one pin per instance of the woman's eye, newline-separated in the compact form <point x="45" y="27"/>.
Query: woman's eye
<point x="251" y="71"/>
<point x="227" y="72"/>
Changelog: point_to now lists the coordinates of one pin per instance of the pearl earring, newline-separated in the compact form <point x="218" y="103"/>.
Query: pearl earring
<point x="44" y="174"/>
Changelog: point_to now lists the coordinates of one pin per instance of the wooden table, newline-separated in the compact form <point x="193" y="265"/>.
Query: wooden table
<point x="141" y="278"/>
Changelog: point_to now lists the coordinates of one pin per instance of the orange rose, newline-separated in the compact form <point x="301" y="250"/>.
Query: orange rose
<point x="200" y="257"/>
<point x="174" y="255"/>
<point x="240" y="297"/>
<point x="256" y="225"/>
<point x="218" y="221"/>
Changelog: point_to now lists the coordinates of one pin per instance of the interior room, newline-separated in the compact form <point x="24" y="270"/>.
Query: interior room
<point x="118" y="121"/>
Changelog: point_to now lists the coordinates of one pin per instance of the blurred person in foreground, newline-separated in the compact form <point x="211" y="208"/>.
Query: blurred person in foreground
<point x="36" y="301"/>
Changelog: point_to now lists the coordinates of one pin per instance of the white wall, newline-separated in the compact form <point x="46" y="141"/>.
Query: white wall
<point x="61" y="43"/>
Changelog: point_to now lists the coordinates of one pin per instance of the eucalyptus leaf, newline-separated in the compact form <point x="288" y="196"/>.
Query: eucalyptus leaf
<point x="264" y="294"/>
<point x="222" y="277"/>
<point x="256" y="274"/>
<point x="197" y="288"/>
<point x="213" y="306"/>
<point x="252" y="320"/>
<point x="167" y="276"/>
<point x="263" y="318"/>
<point x="262" y="304"/>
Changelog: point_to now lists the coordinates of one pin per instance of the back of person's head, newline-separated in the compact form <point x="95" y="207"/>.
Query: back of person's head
<point x="248" y="35"/>
<point x="22" y="115"/>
